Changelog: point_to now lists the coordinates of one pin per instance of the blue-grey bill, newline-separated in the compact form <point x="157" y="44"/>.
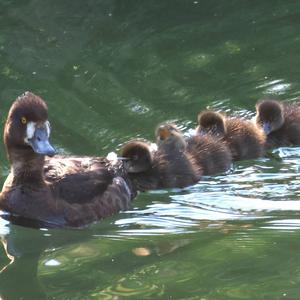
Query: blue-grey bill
<point x="40" y="142"/>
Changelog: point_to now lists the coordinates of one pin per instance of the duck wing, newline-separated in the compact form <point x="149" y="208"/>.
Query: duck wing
<point x="79" y="179"/>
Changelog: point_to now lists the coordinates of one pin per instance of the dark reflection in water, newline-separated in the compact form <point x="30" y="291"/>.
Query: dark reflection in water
<point x="18" y="277"/>
<point x="111" y="70"/>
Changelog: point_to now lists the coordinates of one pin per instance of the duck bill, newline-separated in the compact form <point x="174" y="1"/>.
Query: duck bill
<point x="40" y="142"/>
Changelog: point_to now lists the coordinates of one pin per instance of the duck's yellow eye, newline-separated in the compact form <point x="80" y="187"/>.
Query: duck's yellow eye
<point x="23" y="120"/>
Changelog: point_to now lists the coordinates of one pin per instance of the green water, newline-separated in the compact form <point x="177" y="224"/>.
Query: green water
<point x="111" y="71"/>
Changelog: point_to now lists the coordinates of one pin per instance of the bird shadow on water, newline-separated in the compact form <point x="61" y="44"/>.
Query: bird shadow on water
<point x="18" y="275"/>
<point x="23" y="245"/>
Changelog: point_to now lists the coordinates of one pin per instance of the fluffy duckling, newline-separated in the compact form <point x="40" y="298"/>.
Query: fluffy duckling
<point x="245" y="140"/>
<point x="211" y="154"/>
<point x="66" y="191"/>
<point x="279" y="121"/>
<point x="168" y="165"/>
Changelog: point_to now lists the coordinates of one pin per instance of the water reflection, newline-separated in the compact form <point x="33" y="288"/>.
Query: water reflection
<point x="21" y="258"/>
<point x="19" y="276"/>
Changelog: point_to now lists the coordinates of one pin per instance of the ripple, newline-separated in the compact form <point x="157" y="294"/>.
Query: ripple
<point x="4" y="226"/>
<point x="285" y="224"/>
<point x="277" y="86"/>
<point x="133" y="285"/>
<point x="259" y="189"/>
<point x="288" y="152"/>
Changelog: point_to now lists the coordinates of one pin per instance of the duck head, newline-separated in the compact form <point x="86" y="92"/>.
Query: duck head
<point x="169" y="137"/>
<point x="27" y="127"/>
<point x="138" y="156"/>
<point x="211" y="122"/>
<point x="269" y="115"/>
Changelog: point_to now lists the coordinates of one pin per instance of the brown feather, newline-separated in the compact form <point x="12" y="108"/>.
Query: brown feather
<point x="211" y="153"/>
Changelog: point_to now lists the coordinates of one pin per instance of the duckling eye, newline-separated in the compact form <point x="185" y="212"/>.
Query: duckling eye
<point x="23" y="120"/>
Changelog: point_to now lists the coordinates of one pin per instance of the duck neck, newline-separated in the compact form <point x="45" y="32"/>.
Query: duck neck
<point x="26" y="167"/>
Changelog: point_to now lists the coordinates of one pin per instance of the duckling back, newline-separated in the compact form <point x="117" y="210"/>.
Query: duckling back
<point x="210" y="153"/>
<point x="244" y="139"/>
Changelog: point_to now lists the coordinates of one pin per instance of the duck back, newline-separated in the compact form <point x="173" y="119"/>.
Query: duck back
<point x="77" y="191"/>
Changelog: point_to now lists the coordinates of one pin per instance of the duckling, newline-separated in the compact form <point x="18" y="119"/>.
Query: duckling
<point x="211" y="154"/>
<point x="166" y="165"/>
<point x="279" y="121"/>
<point x="143" y="164"/>
<point x="244" y="139"/>
<point x="172" y="144"/>
<point x="63" y="191"/>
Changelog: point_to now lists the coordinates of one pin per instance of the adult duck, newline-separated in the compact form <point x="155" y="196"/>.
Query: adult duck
<point x="280" y="122"/>
<point x="244" y="139"/>
<point x="63" y="191"/>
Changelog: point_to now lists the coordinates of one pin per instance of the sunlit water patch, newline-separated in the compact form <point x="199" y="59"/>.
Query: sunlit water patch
<point x="260" y="189"/>
<point x="278" y="86"/>
<point x="4" y="229"/>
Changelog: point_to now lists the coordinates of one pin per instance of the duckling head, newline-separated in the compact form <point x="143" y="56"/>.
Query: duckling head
<point x="269" y="115"/>
<point x="169" y="137"/>
<point x="138" y="156"/>
<point x="211" y="122"/>
<point x="27" y="126"/>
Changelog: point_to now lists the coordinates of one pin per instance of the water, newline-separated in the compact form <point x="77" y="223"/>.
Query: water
<point x="111" y="71"/>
